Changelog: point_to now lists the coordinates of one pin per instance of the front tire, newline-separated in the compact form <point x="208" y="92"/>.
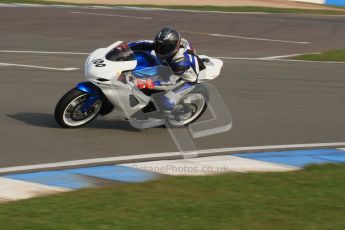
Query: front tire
<point x="68" y="112"/>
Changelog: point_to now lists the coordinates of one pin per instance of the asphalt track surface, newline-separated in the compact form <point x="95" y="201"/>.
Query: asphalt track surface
<point x="272" y="102"/>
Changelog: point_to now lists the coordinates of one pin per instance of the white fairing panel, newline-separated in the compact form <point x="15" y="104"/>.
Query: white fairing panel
<point x="97" y="66"/>
<point x="213" y="67"/>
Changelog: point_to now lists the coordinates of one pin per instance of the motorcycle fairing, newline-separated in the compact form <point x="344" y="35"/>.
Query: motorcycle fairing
<point x="89" y="88"/>
<point x="95" y="94"/>
<point x="145" y="60"/>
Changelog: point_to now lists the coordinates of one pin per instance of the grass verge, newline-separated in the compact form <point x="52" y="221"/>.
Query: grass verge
<point x="203" y="7"/>
<point x="333" y="55"/>
<point x="313" y="198"/>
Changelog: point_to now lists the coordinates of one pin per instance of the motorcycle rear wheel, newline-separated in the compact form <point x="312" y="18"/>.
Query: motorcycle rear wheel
<point x="197" y="105"/>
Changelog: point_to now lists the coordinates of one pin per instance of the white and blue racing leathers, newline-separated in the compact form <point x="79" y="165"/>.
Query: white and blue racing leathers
<point x="184" y="64"/>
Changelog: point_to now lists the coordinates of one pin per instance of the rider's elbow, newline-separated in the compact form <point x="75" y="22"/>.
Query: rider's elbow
<point x="189" y="75"/>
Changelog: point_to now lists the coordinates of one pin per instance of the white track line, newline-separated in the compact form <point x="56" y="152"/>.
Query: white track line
<point x="39" y="67"/>
<point x="137" y="8"/>
<point x="185" y="10"/>
<point x="42" y="52"/>
<point x="111" y="15"/>
<point x="162" y="9"/>
<point x="304" y="61"/>
<point x="146" y="157"/>
<point x="278" y="60"/>
<point x="229" y="12"/>
<point x="243" y="58"/>
<point x="288" y="55"/>
<point x="257" y="39"/>
<point x="7" y="5"/>
<point x="247" y="38"/>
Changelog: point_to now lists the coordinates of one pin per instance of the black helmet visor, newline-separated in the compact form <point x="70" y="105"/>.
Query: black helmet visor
<point x="164" y="49"/>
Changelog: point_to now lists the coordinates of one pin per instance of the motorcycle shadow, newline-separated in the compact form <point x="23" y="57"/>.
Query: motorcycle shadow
<point x="47" y="120"/>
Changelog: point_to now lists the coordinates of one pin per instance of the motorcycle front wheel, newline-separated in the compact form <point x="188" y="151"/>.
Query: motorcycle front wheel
<point x="70" y="111"/>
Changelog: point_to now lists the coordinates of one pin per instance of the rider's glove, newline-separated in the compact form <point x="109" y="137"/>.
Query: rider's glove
<point x="150" y="84"/>
<point x="140" y="84"/>
<point x="144" y="84"/>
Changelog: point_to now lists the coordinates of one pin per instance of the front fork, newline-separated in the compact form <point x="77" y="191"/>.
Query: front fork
<point x="95" y="94"/>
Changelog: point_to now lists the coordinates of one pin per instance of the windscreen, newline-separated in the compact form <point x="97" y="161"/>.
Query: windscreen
<point x="120" y="53"/>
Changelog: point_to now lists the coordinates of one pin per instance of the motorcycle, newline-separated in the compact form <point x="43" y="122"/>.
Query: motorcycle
<point x="110" y="89"/>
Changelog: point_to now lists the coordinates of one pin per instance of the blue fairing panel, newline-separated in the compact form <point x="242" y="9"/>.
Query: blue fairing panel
<point x="146" y="72"/>
<point x="88" y="87"/>
<point x="145" y="60"/>
<point x="95" y="93"/>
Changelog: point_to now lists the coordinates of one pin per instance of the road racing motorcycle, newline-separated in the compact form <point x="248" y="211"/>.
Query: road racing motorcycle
<point x="112" y="88"/>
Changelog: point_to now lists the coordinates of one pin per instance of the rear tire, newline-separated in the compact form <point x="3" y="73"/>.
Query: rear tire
<point x="198" y="109"/>
<point x="67" y="113"/>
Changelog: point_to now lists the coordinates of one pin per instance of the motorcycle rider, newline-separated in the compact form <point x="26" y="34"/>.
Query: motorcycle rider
<point x="176" y="52"/>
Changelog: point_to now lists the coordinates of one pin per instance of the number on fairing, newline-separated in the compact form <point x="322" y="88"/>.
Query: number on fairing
<point x="99" y="63"/>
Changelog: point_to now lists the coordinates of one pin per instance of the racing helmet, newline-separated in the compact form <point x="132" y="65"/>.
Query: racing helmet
<point x="167" y="42"/>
